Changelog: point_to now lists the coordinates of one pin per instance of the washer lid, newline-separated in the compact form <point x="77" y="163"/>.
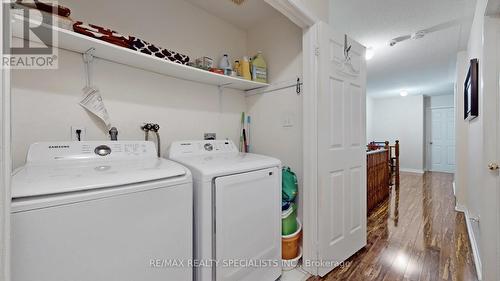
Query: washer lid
<point x="36" y="179"/>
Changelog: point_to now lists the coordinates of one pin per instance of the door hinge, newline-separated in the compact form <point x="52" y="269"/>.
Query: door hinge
<point x="316" y="51"/>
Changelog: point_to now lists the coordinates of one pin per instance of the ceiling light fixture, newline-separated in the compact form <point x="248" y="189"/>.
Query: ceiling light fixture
<point x="369" y="53"/>
<point x="403" y="93"/>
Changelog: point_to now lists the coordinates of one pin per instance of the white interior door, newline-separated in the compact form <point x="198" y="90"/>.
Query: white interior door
<point x="496" y="177"/>
<point x="442" y="140"/>
<point x="248" y="225"/>
<point x="489" y="188"/>
<point x="341" y="149"/>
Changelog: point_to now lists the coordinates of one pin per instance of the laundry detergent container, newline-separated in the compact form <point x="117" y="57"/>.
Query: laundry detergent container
<point x="290" y="244"/>
<point x="289" y="219"/>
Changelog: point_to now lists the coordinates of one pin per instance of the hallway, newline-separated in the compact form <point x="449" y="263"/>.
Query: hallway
<point x="416" y="235"/>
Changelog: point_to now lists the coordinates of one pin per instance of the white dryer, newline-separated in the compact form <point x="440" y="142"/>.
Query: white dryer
<point x="111" y="211"/>
<point x="237" y="211"/>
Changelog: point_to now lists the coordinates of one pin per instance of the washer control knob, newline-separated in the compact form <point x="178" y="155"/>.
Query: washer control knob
<point x="208" y="147"/>
<point x="102" y="150"/>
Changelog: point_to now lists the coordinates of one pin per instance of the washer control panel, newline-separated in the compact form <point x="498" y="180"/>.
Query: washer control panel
<point x="205" y="147"/>
<point x="82" y="150"/>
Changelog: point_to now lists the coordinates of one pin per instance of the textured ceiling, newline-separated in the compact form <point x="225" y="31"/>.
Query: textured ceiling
<point x="424" y="66"/>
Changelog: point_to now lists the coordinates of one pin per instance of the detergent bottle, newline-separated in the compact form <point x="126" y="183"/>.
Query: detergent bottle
<point x="259" y="68"/>
<point x="245" y="69"/>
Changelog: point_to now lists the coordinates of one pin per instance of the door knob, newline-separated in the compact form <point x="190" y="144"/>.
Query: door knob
<point x="493" y="166"/>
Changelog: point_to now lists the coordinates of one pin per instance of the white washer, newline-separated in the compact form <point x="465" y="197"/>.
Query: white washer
<point x="87" y="211"/>
<point x="237" y="211"/>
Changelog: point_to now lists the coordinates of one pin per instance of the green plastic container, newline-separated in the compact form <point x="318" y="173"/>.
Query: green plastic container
<point x="289" y="220"/>
<point x="289" y="188"/>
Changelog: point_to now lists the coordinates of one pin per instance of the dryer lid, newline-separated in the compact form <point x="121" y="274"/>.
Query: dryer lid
<point x="227" y="163"/>
<point x="68" y="169"/>
<point x="210" y="159"/>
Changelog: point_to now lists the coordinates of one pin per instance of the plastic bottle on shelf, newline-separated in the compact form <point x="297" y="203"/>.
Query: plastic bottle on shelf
<point x="237" y="68"/>
<point x="259" y="68"/>
<point x="225" y="65"/>
<point x="250" y="60"/>
<point x="245" y="69"/>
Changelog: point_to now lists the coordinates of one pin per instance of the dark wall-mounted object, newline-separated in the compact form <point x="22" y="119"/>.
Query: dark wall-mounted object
<point x="471" y="91"/>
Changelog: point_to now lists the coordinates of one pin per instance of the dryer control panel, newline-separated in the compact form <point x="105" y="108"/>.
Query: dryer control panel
<point x="91" y="150"/>
<point x="205" y="147"/>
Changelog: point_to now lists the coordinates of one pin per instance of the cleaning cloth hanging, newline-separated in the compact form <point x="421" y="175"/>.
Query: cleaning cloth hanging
<point x="92" y="99"/>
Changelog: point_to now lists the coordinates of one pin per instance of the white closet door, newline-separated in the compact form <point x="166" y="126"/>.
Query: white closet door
<point x="341" y="149"/>
<point x="442" y="139"/>
<point x="248" y="225"/>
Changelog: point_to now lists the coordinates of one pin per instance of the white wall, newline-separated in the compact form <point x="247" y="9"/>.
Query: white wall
<point x="45" y="103"/>
<point x="461" y="135"/>
<point x="281" y="42"/>
<point x="369" y="119"/>
<point x="473" y="130"/>
<point x="445" y="100"/>
<point x="184" y="110"/>
<point x="173" y="24"/>
<point x="402" y="119"/>
<point x="477" y="187"/>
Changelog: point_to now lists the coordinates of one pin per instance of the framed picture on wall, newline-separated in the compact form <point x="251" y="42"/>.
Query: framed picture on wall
<point x="471" y="91"/>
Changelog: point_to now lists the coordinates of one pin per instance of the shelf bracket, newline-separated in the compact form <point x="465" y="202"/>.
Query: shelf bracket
<point x="224" y="86"/>
<point x="88" y="59"/>
<point x="88" y="56"/>
<point x="221" y="91"/>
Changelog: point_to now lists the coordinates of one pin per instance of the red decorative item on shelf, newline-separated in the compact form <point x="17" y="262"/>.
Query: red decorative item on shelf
<point x="102" y="33"/>
<point x="46" y="7"/>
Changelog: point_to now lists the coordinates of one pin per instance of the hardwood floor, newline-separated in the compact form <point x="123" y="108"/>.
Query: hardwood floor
<point x="415" y="235"/>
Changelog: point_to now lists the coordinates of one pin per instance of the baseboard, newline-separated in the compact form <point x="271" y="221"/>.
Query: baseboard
<point x="414" y="171"/>
<point x="473" y="242"/>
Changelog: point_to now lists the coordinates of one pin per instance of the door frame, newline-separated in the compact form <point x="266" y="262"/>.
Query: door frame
<point x="301" y="16"/>
<point x="428" y="134"/>
<point x="5" y="160"/>
<point x="295" y="11"/>
<point x="310" y="235"/>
